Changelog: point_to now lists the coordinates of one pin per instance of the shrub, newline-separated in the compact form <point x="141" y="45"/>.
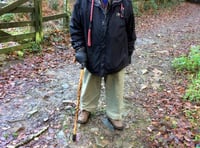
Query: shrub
<point x="152" y="5"/>
<point x="193" y="90"/>
<point x="7" y="17"/>
<point x="190" y="63"/>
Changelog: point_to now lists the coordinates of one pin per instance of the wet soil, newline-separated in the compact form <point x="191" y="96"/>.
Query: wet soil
<point x="39" y="110"/>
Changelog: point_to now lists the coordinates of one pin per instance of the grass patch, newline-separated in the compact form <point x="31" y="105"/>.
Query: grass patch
<point x="153" y="5"/>
<point x="193" y="90"/>
<point x="190" y="63"/>
<point x="7" y="17"/>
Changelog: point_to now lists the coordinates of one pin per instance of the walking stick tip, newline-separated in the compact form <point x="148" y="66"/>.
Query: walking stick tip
<point x="74" y="137"/>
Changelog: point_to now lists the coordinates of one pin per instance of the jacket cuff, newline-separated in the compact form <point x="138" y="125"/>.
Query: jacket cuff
<point x="81" y="49"/>
<point x="131" y="48"/>
<point x="129" y="59"/>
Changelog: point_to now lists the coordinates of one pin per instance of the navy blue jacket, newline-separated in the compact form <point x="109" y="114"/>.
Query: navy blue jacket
<point x="112" y="38"/>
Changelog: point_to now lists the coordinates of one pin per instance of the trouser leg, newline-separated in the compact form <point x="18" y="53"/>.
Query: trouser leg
<point x="114" y="94"/>
<point x="90" y="92"/>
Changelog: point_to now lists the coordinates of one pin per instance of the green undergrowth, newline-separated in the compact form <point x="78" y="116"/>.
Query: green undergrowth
<point x="191" y="64"/>
<point x="7" y="17"/>
<point x="141" y="6"/>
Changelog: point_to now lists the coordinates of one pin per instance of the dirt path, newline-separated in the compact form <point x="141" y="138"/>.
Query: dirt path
<point x="42" y="114"/>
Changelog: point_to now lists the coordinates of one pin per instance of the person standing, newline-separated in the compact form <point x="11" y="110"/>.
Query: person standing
<point x="103" y="36"/>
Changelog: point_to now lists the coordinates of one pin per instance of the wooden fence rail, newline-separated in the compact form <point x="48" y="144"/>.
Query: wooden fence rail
<point x="35" y="21"/>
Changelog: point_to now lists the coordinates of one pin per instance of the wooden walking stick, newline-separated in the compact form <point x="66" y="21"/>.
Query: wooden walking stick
<point x="78" y="103"/>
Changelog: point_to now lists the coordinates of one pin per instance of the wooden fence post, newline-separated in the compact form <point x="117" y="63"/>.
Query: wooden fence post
<point x="38" y="21"/>
<point x="66" y="19"/>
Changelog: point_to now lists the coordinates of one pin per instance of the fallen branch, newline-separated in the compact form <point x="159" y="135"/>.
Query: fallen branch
<point x="30" y="138"/>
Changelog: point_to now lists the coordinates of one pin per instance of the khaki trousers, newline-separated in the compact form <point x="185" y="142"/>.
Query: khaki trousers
<point x="114" y="88"/>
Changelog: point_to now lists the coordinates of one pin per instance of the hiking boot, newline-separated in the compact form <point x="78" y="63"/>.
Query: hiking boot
<point x="83" y="117"/>
<point x="117" y="124"/>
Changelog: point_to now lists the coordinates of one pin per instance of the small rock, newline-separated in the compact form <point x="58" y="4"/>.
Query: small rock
<point x="94" y="130"/>
<point x="143" y="86"/>
<point x="65" y="86"/>
<point x="100" y="142"/>
<point x="45" y="119"/>
<point x="68" y="102"/>
<point x="144" y="71"/>
<point x="155" y="86"/>
<point x="18" y="127"/>
<point x="61" y="138"/>
<point x="158" y="35"/>
<point x="151" y="128"/>
<point x="30" y="113"/>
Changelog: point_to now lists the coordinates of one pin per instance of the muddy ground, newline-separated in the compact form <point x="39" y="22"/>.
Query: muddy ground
<point x="37" y="108"/>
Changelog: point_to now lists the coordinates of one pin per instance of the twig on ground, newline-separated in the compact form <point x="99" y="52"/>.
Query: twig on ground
<point x="31" y="137"/>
